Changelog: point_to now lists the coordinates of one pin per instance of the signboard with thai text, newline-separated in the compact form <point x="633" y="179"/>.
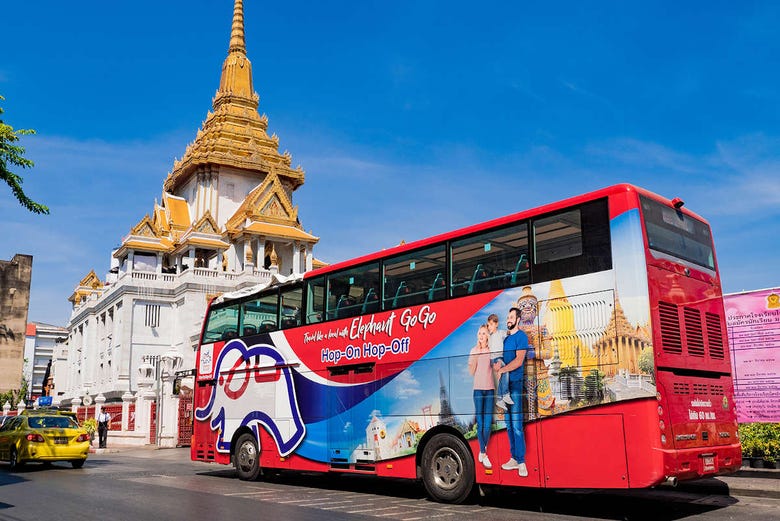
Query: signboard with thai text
<point x="753" y="320"/>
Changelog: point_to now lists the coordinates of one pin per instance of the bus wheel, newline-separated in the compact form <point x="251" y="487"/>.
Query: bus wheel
<point x="447" y="469"/>
<point x="247" y="458"/>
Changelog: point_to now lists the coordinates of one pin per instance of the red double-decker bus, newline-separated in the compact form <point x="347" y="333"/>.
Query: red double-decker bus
<point x="580" y="344"/>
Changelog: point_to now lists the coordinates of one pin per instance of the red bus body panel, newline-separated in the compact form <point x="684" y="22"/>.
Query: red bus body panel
<point x="679" y="422"/>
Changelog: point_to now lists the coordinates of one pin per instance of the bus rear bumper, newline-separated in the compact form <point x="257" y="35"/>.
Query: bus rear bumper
<point x="685" y="464"/>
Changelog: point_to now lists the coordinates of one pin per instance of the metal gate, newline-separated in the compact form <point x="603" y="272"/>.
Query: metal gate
<point x="115" y="410"/>
<point x="185" y="419"/>
<point x="153" y="424"/>
<point x="131" y="419"/>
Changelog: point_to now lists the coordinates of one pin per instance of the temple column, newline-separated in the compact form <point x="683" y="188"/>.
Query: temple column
<point x="127" y="399"/>
<point x="143" y="409"/>
<point x="130" y="260"/>
<point x="168" y="408"/>
<point x="296" y="259"/>
<point x="309" y="258"/>
<point x="220" y="256"/>
<point x="261" y="252"/>
<point x="248" y="258"/>
<point x="159" y="262"/>
<point x="191" y="256"/>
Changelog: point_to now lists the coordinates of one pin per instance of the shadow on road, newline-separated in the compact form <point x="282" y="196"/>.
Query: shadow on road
<point x="656" y="505"/>
<point x="623" y="505"/>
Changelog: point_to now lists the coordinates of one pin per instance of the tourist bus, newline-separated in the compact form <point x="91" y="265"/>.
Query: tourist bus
<point x="366" y="366"/>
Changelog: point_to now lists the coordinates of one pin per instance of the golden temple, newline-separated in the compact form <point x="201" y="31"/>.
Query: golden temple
<point x="227" y="203"/>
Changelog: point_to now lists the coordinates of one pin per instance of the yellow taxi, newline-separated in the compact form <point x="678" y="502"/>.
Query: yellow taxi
<point x="43" y="437"/>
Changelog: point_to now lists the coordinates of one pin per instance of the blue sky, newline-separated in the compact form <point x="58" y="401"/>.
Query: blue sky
<point x="409" y="118"/>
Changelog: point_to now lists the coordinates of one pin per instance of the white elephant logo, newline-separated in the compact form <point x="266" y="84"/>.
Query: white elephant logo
<point x="269" y="401"/>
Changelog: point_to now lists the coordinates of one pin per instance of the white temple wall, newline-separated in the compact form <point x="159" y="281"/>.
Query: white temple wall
<point x="233" y="187"/>
<point x="189" y="192"/>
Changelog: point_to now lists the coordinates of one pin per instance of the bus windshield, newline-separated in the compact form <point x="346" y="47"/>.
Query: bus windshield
<point x="674" y="233"/>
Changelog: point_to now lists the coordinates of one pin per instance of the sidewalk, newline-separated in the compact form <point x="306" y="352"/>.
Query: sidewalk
<point x="114" y="448"/>
<point x="745" y="482"/>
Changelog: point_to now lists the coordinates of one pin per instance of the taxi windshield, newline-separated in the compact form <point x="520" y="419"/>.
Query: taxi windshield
<point x="52" y="422"/>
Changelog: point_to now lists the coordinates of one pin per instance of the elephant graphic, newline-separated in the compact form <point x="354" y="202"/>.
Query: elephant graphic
<point x="253" y="387"/>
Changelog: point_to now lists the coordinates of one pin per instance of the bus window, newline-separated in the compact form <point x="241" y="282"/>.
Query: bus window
<point x="574" y="242"/>
<point x="222" y="324"/>
<point x="352" y="290"/>
<point x="291" y="299"/>
<point x="558" y="237"/>
<point x="492" y="260"/>
<point x="672" y="232"/>
<point x="261" y="315"/>
<point x="412" y="278"/>
<point x="315" y="300"/>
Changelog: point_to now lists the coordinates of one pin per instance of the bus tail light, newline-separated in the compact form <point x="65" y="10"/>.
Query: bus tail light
<point x="662" y="425"/>
<point x="663" y="439"/>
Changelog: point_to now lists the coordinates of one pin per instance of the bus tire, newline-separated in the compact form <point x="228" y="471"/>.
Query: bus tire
<point x="247" y="458"/>
<point x="447" y="469"/>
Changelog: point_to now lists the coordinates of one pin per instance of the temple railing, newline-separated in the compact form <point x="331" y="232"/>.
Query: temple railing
<point x="151" y="280"/>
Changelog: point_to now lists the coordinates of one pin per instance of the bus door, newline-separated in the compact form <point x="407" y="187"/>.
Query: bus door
<point x="355" y="434"/>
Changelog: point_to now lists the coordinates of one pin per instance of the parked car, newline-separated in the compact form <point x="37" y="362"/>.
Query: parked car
<point x="43" y="437"/>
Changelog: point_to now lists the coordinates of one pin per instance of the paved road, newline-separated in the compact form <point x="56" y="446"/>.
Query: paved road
<point x="161" y="485"/>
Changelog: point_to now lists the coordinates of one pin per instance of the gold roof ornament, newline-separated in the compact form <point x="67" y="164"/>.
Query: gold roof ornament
<point x="204" y="233"/>
<point x="234" y="133"/>
<point x="88" y="285"/>
<point x="268" y="211"/>
<point x="144" y="236"/>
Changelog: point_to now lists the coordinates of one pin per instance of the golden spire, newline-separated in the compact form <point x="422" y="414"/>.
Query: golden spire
<point x="237" y="32"/>
<point x="235" y="85"/>
<point x="234" y="133"/>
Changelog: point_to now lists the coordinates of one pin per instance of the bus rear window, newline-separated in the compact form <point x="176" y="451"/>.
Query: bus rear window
<point x="671" y="232"/>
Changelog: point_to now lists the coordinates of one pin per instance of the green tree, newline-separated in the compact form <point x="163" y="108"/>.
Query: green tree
<point x="646" y="364"/>
<point x="13" y="155"/>
<point x="14" y="395"/>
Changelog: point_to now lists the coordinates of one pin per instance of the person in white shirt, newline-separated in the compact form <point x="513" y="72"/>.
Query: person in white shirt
<point x="103" y="420"/>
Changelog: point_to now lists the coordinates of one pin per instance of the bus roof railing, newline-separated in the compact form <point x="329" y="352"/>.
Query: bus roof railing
<point x="276" y="280"/>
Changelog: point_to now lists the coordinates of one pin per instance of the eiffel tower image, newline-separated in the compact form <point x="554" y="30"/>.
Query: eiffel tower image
<point x="446" y="417"/>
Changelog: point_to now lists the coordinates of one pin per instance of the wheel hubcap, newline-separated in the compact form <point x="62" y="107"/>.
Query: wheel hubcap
<point x="247" y="457"/>
<point x="447" y="468"/>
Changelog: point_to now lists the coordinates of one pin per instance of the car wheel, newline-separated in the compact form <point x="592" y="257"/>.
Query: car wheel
<point x="447" y="469"/>
<point x="13" y="459"/>
<point x="77" y="463"/>
<point x="247" y="458"/>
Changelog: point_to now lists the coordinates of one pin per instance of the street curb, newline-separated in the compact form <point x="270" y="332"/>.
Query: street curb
<point x="738" y="484"/>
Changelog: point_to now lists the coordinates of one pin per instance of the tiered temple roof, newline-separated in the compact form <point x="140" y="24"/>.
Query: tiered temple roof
<point x="233" y="137"/>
